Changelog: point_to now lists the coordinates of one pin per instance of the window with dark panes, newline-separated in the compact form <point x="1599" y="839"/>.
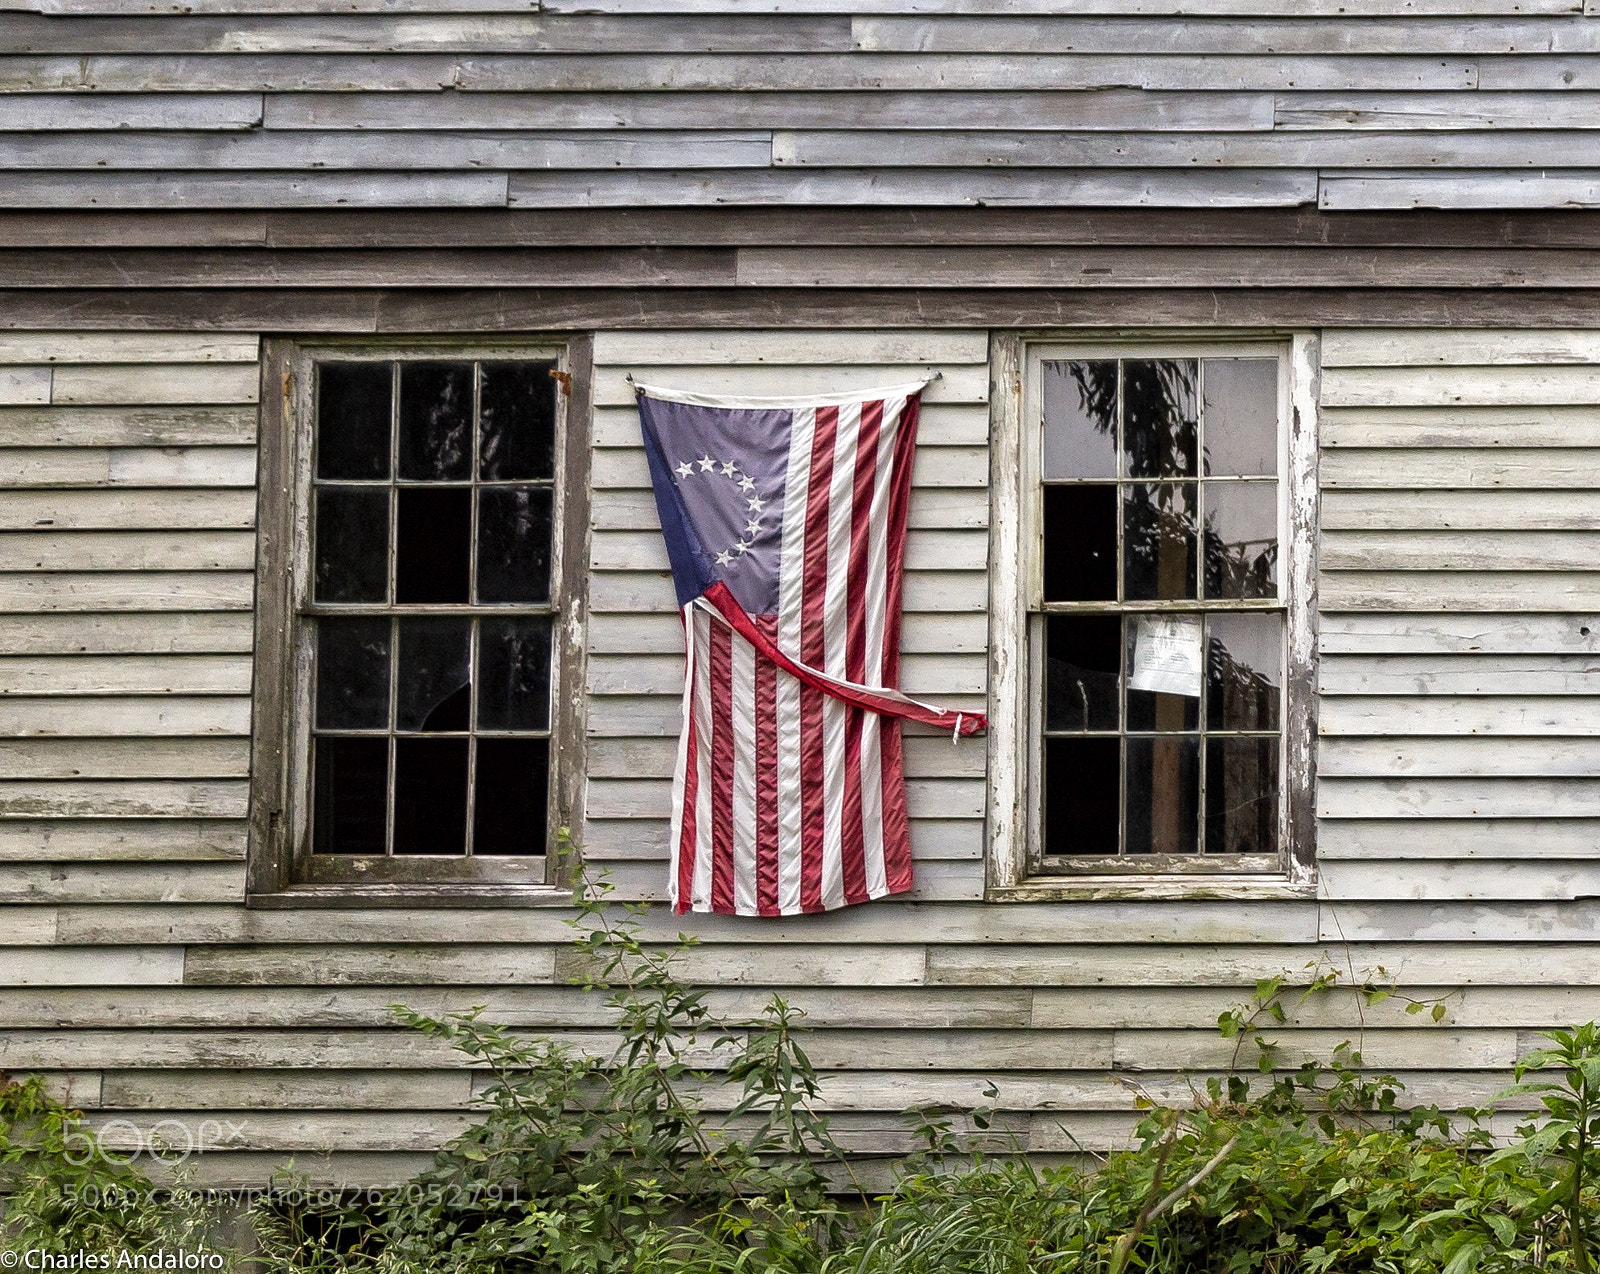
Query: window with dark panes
<point x="1158" y="633"/>
<point x="433" y="506"/>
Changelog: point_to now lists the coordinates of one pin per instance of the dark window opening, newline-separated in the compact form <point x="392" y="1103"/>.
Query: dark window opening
<point x="433" y="538"/>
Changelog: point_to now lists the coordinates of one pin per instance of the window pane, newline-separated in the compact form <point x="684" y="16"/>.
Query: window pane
<point x="1165" y="669"/>
<point x="350" y="803"/>
<point x="509" y="809"/>
<point x="353" y="674"/>
<point x="352" y="528"/>
<point x="514" y="544"/>
<point x="1163" y="795"/>
<point x="436" y="421"/>
<point x="1080" y="796"/>
<point x="434" y="529"/>
<point x="516" y="421"/>
<point x="1080" y="543"/>
<point x="1242" y="796"/>
<point x="1241" y="539"/>
<point x="514" y="674"/>
<point x="430" y="796"/>
<point x="1159" y="420"/>
<point x="1083" y="672"/>
<point x="434" y="690"/>
<point x="1241" y="416"/>
<point x="1080" y="419"/>
<point x="354" y="402"/>
<point x="1244" y="671"/>
<point x="1158" y="541"/>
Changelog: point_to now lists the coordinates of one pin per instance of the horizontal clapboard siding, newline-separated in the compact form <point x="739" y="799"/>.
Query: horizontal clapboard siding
<point x="635" y="665"/>
<point x="1460" y="666"/>
<point x="634" y="103"/>
<point x="1458" y="791"/>
<point x="127" y="554"/>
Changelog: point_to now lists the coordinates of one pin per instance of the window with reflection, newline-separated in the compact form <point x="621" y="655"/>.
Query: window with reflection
<point x="1158" y="634"/>
<point x="432" y="532"/>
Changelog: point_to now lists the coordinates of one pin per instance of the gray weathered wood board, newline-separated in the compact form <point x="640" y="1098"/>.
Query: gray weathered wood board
<point x="636" y="103"/>
<point x="1457" y="738"/>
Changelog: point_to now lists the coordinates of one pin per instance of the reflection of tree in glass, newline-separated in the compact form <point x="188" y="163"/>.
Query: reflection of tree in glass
<point x="1241" y="697"/>
<point x="1159" y="437"/>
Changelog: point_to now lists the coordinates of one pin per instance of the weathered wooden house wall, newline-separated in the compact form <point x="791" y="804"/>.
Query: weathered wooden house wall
<point x="1459" y="425"/>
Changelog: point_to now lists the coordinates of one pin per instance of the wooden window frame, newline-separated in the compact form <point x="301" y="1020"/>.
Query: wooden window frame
<point x="1015" y="537"/>
<point x="280" y="869"/>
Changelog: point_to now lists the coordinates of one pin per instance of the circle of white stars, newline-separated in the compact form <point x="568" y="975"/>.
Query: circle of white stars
<point x="753" y="503"/>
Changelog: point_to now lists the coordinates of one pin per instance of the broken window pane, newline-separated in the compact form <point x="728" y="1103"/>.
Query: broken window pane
<point x="514" y="544"/>
<point x="354" y="405"/>
<point x="1080" y="796"/>
<point x="509" y="801"/>
<point x="1163" y="795"/>
<point x="1080" y="542"/>
<point x="1080" y="419"/>
<point x="436" y="421"/>
<point x="430" y="796"/>
<point x="1083" y="672"/>
<point x="1242" y="796"/>
<point x="1159" y="541"/>
<point x="516" y="421"/>
<point x="353" y="674"/>
<point x="434" y="687"/>
<point x="514" y="674"/>
<point x="1159" y="417"/>
<point x="352" y="533"/>
<point x="1241" y="416"/>
<point x="434" y="532"/>
<point x="350" y="798"/>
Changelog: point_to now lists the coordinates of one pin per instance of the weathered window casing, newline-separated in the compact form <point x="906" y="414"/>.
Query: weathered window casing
<point x="1018" y="865"/>
<point x="283" y="869"/>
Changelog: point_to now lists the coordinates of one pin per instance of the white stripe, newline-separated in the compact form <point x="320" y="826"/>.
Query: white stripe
<point x="788" y="794"/>
<point x="791" y="598"/>
<point x="680" y="767"/>
<point x="835" y="631"/>
<point x="872" y="727"/>
<point x="743" y="804"/>
<point x="792" y="552"/>
<point x="877" y="583"/>
<point x="856" y="396"/>
<point x="702" y="708"/>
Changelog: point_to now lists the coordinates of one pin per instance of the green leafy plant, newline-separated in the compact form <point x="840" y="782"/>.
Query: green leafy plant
<point x="1567" y="1086"/>
<point x="584" y="1162"/>
<point x="61" y="1191"/>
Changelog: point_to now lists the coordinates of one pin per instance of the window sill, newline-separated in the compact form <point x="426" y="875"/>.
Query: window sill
<point x="1189" y="888"/>
<point x="412" y="895"/>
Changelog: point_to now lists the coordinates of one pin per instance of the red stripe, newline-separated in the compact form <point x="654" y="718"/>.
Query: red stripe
<point x="722" y="600"/>
<point x="691" y="776"/>
<point x="813" y="651"/>
<point x="896" y="822"/>
<point x="766" y="786"/>
<point x="721" y="769"/>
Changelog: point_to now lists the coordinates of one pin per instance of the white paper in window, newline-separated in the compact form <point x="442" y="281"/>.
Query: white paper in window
<point x="1168" y="655"/>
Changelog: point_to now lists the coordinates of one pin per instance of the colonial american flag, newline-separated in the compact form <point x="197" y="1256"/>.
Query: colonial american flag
<point x="785" y="523"/>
